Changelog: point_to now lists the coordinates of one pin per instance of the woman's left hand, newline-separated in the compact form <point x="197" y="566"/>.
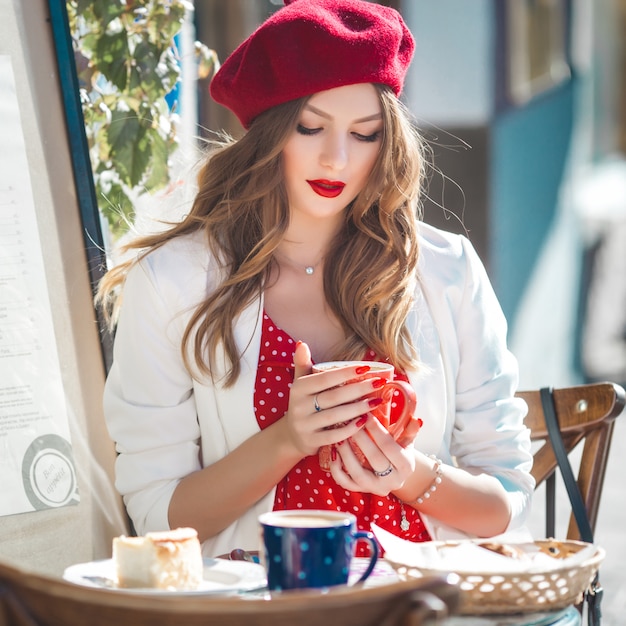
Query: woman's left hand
<point x="384" y="455"/>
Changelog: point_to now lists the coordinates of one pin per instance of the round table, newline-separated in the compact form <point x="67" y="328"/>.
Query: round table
<point x="564" y="617"/>
<point x="384" y="573"/>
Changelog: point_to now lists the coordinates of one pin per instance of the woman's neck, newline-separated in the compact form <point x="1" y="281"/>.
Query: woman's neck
<point x="306" y="243"/>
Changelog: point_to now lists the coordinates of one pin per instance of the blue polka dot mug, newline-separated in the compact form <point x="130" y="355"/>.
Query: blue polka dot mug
<point x="311" y="548"/>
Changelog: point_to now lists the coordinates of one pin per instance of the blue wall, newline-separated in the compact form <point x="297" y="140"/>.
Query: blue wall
<point x="530" y="146"/>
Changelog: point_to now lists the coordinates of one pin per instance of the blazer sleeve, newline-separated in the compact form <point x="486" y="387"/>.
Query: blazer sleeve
<point x="489" y="432"/>
<point x="148" y="401"/>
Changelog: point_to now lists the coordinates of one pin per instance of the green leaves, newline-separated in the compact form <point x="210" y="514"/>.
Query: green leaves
<point x="127" y="63"/>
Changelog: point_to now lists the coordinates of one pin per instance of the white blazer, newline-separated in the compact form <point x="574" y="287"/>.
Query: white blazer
<point x="167" y="425"/>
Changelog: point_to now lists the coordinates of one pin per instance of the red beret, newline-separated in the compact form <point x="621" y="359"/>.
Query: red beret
<point x="310" y="46"/>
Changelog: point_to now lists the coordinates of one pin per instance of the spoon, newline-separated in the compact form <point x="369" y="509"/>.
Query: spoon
<point x="241" y="555"/>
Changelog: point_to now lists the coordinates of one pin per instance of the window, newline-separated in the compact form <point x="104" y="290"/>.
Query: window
<point x="536" y="47"/>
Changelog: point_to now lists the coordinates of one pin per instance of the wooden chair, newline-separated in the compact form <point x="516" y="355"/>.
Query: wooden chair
<point x="28" y="599"/>
<point x="585" y="413"/>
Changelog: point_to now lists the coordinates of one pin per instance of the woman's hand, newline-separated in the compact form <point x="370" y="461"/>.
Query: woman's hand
<point x="323" y="409"/>
<point x="392" y="464"/>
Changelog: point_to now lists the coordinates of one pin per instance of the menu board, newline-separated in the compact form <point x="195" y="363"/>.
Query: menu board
<point x="37" y="470"/>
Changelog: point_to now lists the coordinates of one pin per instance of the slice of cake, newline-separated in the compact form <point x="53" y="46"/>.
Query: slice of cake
<point x="159" y="560"/>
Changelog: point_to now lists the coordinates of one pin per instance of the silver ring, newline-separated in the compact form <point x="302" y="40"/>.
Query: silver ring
<point x="384" y="472"/>
<point x="317" y="406"/>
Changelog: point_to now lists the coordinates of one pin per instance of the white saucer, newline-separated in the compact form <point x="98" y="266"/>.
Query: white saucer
<point x="221" y="576"/>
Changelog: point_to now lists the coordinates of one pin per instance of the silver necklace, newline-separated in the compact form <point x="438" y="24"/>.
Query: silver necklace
<point x="309" y="270"/>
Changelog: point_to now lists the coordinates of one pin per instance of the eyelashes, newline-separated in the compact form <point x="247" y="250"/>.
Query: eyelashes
<point x="368" y="138"/>
<point x="303" y="130"/>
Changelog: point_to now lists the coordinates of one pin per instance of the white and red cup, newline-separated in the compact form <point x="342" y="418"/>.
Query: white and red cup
<point x="405" y="426"/>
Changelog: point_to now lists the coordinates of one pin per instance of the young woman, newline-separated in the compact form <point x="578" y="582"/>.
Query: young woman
<point x="304" y="245"/>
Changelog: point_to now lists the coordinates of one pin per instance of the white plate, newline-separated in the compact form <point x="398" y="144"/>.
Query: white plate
<point x="221" y="576"/>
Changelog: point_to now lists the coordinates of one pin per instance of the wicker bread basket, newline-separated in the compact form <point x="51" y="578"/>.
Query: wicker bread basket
<point x="490" y="592"/>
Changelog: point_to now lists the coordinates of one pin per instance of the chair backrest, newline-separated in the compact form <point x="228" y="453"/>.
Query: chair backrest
<point x="28" y="599"/>
<point x="585" y="413"/>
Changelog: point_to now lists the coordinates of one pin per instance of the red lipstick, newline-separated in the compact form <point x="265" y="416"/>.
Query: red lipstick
<point x="327" y="188"/>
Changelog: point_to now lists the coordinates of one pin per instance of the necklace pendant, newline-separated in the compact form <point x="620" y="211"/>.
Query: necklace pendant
<point x="309" y="269"/>
<point x="404" y="522"/>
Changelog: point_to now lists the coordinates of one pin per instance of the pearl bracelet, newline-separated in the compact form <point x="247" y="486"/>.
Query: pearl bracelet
<point x="433" y="486"/>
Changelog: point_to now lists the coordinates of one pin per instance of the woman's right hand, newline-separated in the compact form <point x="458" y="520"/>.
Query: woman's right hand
<point x="323" y="409"/>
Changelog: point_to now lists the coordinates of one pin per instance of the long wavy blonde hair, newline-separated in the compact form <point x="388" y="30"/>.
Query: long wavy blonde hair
<point x="242" y="209"/>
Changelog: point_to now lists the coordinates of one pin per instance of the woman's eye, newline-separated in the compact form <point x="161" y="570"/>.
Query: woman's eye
<point x="303" y="130"/>
<point x="368" y="138"/>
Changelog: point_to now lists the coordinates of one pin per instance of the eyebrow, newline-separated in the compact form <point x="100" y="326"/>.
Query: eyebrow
<point x="367" y="118"/>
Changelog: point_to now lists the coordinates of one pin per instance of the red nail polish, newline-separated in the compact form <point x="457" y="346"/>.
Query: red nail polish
<point x="420" y="422"/>
<point x="340" y="442"/>
<point x="361" y="421"/>
<point x="362" y="369"/>
<point x="377" y="383"/>
<point x="333" y="453"/>
<point x="373" y="402"/>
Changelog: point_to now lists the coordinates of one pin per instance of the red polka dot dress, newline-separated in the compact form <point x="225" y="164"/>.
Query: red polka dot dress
<point x="306" y="485"/>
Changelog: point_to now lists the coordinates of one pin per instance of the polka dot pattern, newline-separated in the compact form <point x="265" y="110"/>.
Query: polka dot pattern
<point x="307" y="486"/>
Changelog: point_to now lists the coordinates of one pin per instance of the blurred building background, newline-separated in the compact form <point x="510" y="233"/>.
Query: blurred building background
<point x="524" y="105"/>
